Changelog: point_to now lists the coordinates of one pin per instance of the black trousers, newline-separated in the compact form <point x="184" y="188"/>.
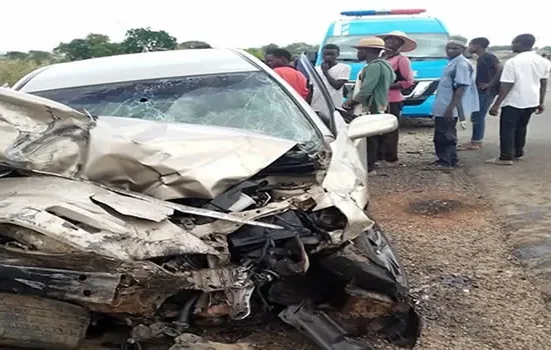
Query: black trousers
<point x="445" y="140"/>
<point x="384" y="147"/>
<point x="513" y="125"/>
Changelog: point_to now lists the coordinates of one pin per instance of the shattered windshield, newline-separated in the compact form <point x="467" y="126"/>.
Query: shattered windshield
<point x="246" y="100"/>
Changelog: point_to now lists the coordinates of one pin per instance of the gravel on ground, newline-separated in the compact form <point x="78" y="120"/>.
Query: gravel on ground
<point x="471" y="291"/>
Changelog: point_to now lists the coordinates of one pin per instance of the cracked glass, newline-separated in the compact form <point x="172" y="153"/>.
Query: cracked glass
<point x="251" y="101"/>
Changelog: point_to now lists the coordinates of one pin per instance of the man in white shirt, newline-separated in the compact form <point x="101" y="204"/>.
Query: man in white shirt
<point x="522" y="92"/>
<point x="334" y="75"/>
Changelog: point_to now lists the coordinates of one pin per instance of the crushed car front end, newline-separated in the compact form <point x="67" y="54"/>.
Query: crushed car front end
<point x="153" y="243"/>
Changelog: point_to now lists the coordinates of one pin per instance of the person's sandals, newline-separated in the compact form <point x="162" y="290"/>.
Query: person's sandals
<point x="497" y="161"/>
<point x="469" y="147"/>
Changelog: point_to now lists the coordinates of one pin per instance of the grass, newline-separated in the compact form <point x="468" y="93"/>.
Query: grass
<point x="13" y="70"/>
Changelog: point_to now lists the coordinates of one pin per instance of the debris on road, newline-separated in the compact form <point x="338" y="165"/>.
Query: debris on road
<point x="189" y="341"/>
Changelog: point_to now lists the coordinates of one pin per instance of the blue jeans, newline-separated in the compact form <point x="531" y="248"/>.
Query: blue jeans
<point x="478" y="119"/>
<point x="445" y="140"/>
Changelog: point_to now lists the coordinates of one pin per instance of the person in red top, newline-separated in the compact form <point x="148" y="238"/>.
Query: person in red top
<point x="396" y="43"/>
<point x="280" y="61"/>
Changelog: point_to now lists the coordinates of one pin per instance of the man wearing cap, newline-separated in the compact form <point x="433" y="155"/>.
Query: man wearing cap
<point x="370" y="95"/>
<point x="456" y="94"/>
<point x="396" y="42"/>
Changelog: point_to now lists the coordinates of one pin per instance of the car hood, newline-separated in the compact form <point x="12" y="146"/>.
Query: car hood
<point x="153" y="162"/>
<point x="166" y="161"/>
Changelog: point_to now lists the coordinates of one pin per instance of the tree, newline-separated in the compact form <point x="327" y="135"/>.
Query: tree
<point x="257" y="52"/>
<point x="298" y="48"/>
<point x="500" y="48"/>
<point x="40" y="56"/>
<point x="101" y="45"/>
<point x="194" y="44"/>
<point x="16" y="55"/>
<point x="94" y="45"/>
<point x="145" y="39"/>
<point x="76" y="49"/>
<point x="269" y="47"/>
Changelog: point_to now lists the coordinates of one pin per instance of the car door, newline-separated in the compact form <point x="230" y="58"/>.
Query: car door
<point x="329" y="113"/>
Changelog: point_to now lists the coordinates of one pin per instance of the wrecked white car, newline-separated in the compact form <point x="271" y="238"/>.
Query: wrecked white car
<point x="185" y="189"/>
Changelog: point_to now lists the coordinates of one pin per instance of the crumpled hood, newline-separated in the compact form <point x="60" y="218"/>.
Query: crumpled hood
<point x="42" y="135"/>
<point x="169" y="161"/>
<point x="166" y="161"/>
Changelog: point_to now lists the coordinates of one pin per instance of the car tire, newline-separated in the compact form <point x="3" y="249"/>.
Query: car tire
<point x="34" y="322"/>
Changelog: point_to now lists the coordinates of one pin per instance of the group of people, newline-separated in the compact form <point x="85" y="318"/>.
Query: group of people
<point x="514" y="90"/>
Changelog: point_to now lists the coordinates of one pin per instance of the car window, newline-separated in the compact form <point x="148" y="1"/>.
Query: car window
<point x="251" y="101"/>
<point x="429" y="45"/>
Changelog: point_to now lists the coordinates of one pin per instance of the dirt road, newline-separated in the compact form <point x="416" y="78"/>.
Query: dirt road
<point x="471" y="290"/>
<point x="522" y="194"/>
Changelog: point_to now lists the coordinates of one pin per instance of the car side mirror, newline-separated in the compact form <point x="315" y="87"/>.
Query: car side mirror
<point x="371" y="125"/>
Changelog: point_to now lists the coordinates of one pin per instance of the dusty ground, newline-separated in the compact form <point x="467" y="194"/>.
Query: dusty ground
<point x="470" y="289"/>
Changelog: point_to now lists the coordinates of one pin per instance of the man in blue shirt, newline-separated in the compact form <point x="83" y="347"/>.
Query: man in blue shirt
<point x="456" y="97"/>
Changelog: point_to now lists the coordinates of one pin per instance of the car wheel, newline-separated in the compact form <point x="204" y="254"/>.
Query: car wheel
<point x="29" y="321"/>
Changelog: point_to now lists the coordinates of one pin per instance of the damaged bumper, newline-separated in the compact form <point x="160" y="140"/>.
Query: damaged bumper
<point x="85" y="218"/>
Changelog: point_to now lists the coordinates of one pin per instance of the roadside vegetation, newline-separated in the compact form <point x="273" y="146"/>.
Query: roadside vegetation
<point x="15" y="64"/>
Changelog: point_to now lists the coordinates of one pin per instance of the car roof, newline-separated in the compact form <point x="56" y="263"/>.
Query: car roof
<point x="132" y="67"/>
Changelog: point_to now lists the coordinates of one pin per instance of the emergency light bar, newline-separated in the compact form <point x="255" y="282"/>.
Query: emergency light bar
<point x="382" y="12"/>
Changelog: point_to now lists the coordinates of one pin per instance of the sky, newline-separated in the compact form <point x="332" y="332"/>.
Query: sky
<point x="42" y="25"/>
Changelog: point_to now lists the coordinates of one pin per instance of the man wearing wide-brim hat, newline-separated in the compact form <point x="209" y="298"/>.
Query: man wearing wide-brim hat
<point x="370" y="95"/>
<point x="406" y="44"/>
<point x="396" y="42"/>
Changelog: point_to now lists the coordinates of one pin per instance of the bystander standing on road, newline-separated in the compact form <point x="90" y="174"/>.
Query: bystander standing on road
<point x="396" y="42"/>
<point x="488" y="71"/>
<point x="334" y="75"/>
<point x="280" y="61"/>
<point x="522" y="92"/>
<point x="370" y="95"/>
<point x="456" y="93"/>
